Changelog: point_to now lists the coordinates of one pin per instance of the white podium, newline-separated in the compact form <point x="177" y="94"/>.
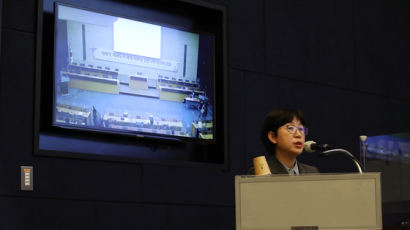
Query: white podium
<point x="311" y="201"/>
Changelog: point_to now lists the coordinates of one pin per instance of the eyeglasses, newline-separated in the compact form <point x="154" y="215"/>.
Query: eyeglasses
<point x="292" y="129"/>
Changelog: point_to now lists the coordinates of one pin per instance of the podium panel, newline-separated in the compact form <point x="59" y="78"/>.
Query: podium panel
<point x="323" y="201"/>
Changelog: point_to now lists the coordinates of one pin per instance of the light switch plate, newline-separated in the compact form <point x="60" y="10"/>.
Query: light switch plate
<point x="26" y="182"/>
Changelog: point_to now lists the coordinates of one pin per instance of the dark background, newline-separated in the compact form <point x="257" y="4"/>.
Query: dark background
<point x="345" y="64"/>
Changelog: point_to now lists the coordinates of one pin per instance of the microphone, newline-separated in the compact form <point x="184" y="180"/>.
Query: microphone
<point x="311" y="146"/>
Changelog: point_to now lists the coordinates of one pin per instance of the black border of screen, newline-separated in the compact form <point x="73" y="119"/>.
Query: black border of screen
<point x="220" y="102"/>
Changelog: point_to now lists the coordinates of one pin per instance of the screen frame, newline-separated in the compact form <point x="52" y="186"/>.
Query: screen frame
<point x="151" y="143"/>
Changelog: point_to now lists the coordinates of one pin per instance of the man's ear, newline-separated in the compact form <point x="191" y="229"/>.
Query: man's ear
<point x="272" y="137"/>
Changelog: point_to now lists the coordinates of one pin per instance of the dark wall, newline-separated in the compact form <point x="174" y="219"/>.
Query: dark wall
<point x="343" y="63"/>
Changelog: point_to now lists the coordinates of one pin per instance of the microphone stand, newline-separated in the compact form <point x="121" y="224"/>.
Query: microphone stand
<point x="359" y="168"/>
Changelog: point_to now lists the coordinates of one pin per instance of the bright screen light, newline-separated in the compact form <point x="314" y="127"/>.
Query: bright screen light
<point x="137" y="38"/>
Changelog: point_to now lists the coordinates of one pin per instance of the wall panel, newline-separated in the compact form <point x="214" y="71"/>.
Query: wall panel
<point x="246" y="35"/>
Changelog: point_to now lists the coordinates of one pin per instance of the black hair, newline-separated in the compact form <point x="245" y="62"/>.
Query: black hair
<point x="273" y="121"/>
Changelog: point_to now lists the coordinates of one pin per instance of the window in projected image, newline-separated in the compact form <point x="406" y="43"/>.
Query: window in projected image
<point x="124" y="76"/>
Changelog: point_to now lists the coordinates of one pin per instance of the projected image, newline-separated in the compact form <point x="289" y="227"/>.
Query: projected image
<point x="389" y="147"/>
<point x="119" y="75"/>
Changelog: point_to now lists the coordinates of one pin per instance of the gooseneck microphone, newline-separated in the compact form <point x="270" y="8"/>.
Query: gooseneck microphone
<point x="311" y="146"/>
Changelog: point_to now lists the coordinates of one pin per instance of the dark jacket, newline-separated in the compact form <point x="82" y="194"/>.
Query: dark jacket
<point x="277" y="168"/>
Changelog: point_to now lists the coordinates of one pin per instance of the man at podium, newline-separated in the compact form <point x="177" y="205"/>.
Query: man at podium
<point x="283" y="135"/>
